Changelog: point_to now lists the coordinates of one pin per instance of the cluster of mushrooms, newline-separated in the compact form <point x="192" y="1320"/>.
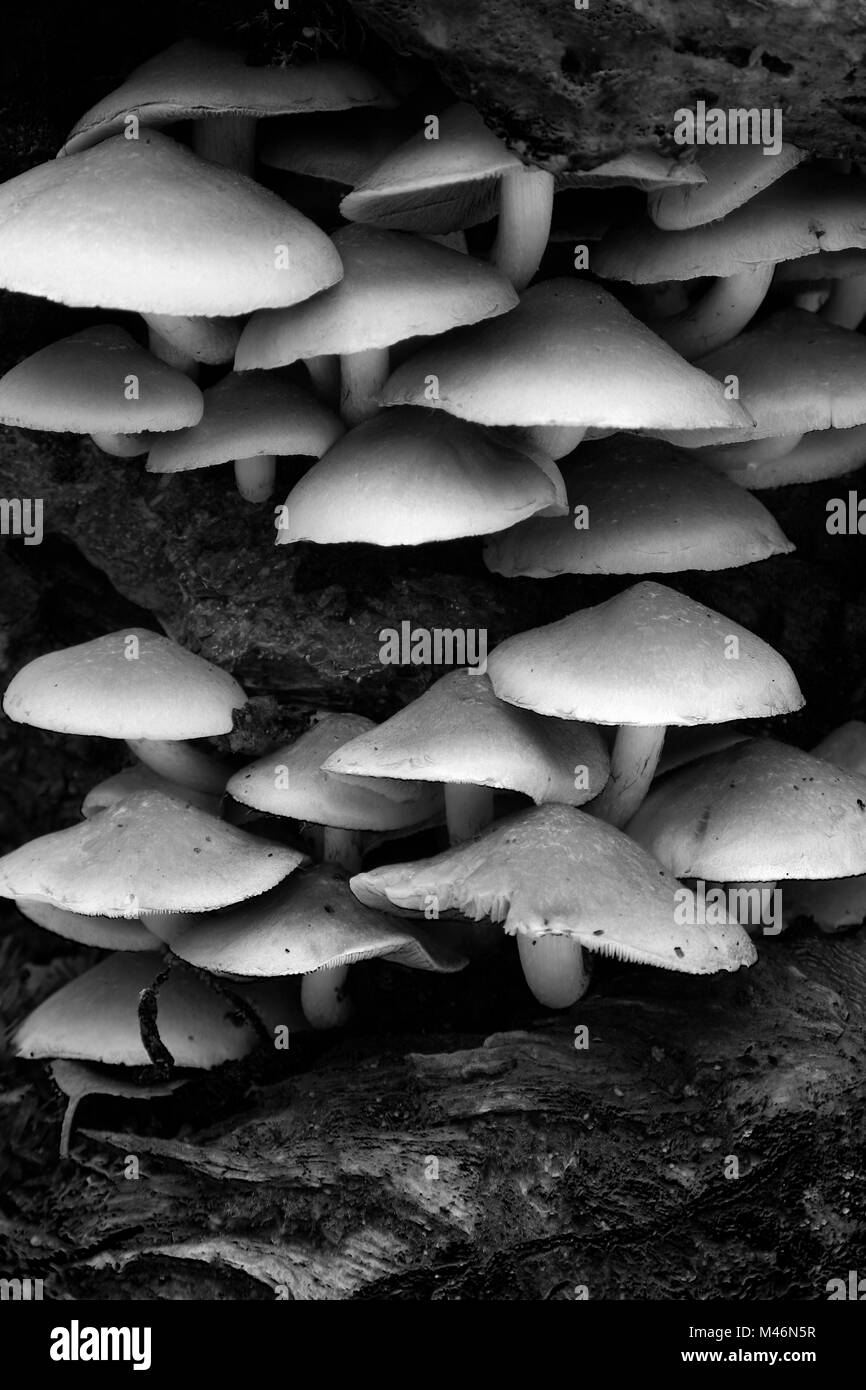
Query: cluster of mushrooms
<point x="379" y="302"/>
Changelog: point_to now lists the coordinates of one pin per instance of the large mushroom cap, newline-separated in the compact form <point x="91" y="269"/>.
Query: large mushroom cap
<point x="81" y="385"/>
<point x="394" y="286"/>
<point x="459" y="732"/>
<point x="759" y="811"/>
<point x="107" y="933"/>
<point x="733" y="174"/>
<point x="246" y="416"/>
<point x="94" y="1018"/>
<point x="651" y="509"/>
<point x="193" y="79"/>
<point x="150" y="227"/>
<point x="648" y="656"/>
<point x="149" y="853"/>
<point x="291" y="782"/>
<point x="555" y="870"/>
<point x="309" y="922"/>
<point x="411" y="476"/>
<point x="569" y="354"/>
<point x="130" y="684"/>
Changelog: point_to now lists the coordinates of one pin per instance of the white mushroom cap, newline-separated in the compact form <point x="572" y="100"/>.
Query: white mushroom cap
<point x="757" y="812"/>
<point x="644" y="169"/>
<point x="555" y="870"/>
<point x="108" y="933"/>
<point x="648" y="656"/>
<point x="459" y="732"/>
<point x="140" y="778"/>
<point x="130" y="684"/>
<point x="819" y="455"/>
<point x="734" y="174"/>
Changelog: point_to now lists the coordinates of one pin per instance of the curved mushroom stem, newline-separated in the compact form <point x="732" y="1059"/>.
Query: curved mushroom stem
<point x="323" y="998"/>
<point x="555" y="440"/>
<point x="554" y="968"/>
<point x="846" y="303"/>
<point x="525" y="210"/>
<point x="325" y="375"/>
<point x="718" y="315"/>
<point x="363" y="375"/>
<point x="227" y="140"/>
<point x="255" y="477"/>
<point x="164" y="343"/>
<point x="343" y="847"/>
<point x="179" y="762"/>
<point x="633" y="760"/>
<point x="663" y="300"/>
<point x="121" y="446"/>
<point x="468" y="810"/>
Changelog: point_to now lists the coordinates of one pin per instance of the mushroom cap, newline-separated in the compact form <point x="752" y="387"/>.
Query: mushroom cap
<point x="94" y="1018"/>
<point x="845" y="746"/>
<point x="647" y="656"/>
<point x="652" y="509"/>
<point x="323" y="798"/>
<point x="733" y="175"/>
<point x="161" y="692"/>
<point x="807" y="210"/>
<point x="140" y="778"/>
<point x="149" y="853"/>
<point x="394" y="286"/>
<point x="80" y="384"/>
<point x="459" y="732"/>
<point x="644" y="169"/>
<point x="756" y="812"/>
<point x="411" y="476"/>
<point x="246" y="415"/>
<point x="310" y="922"/>
<point x="341" y="147"/>
<point x="148" y="226"/>
<point x="820" y="455"/>
<point x="822" y="266"/>
<point x="442" y="185"/>
<point x="193" y="79"/>
<point x="107" y="933"/>
<point x="796" y="373"/>
<point x="569" y="354"/>
<point x="555" y="870"/>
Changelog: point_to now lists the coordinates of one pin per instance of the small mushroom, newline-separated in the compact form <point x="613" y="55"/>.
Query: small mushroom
<point x="140" y="778"/>
<point x="107" y="933"/>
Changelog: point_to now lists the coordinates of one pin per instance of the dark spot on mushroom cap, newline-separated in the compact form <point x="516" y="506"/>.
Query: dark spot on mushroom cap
<point x="678" y="951"/>
<point x="327" y="908"/>
<point x="598" y="933"/>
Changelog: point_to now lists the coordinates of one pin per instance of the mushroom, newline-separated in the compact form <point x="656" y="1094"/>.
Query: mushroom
<point x="458" y="733"/>
<point x="646" y="658"/>
<point x="395" y="286"/>
<point x="834" y="903"/>
<point x="643" y="169"/>
<point x="639" y="507"/>
<point x="819" y="455"/>
<point x="410" y="476"/>
<point x="458" y="179"/>
<point x="309" y="925"/>
<point x="108" y="933"/>
<point x="139" y="686"/>
<point x="733" y="175"/>
<point x="224" y="96"/>
<point x="568" y="357"/>
<point x="319" y="159"/>
<point x="838" y="276"/>
<point x="140" y="778"/>
<point x="101" y="383"/>
<point x="249" y="419"/>
<point x="152" y="228"/>
<point x="564" y="883"/>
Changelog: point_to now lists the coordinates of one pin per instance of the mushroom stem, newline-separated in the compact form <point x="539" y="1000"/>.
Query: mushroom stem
<point x="323" y="998"/>
<point x="228" y="140"/>
<point x="846" y="302"/>
<point x="468" y="810"/>
<point x="554" y="968"/>
<point x="525" y="210"/>
<point x="363" y="375"/>
<point x="255" y="477"/>
<point x="163" y="341"/>
<point x="179" y="762"/>
<point x="324" y="373"/>
<point x="633" y="762"/>
<point x="718" y="315"/>
<point x="120" y="446"/>
<point x="555" y="440"/>
<point x="343" y="847"/>
<point x="663" y="300"/>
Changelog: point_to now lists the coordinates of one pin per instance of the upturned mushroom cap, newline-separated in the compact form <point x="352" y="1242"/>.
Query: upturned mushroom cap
<point x="108" y="933"/>
<point x="94" y="1018"/>
<point x="569" y="354"/>
<point x="819" y="455"/>
<point x="411" y="476"/>
<point x="193" y="79"/>
<point x="759" y="811"/>
<point x="130" y="684"/>
<point x="644" y="169"/>
<point x="733" y="174"/>
<point x="556" y="870"/>
<point x="81" y="385"/>
<point x="459" y="732"/>
<point x="149" y="853"/>
<point x="647" y="656"/>
<point x="651" y="509"/>
<point x="143" y="779"/>
<point x="310" y="922"/>
<point x="246" y="416"/>
<point x="394" y="286"/>
<point x="290" y="782"/>
<point x="442" y="185"/>
<point x="150" y="227"/>
<point x="807" y="210"/>
<point x="342" y="147"/>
